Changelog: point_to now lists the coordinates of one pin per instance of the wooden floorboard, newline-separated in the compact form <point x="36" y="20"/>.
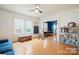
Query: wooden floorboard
<point x="46" y="46"/>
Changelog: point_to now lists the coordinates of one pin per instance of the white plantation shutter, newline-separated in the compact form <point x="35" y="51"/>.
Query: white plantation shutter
<point x="28" y="27"/>
<point x="23" y="27"/>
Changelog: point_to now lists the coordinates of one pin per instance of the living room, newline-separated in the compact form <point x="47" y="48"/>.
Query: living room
<point x="35" y="28"/>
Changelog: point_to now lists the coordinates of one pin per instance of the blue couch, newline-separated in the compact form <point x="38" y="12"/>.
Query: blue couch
<point x="6" y="47"/>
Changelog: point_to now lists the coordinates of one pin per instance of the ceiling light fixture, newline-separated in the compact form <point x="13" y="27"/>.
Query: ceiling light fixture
<point x="37" y="9"/>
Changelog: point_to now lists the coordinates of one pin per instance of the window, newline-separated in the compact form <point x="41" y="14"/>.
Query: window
<point x="28" y="27"/>
<point x="45" y="27"/>
<point x="23" y="27"/>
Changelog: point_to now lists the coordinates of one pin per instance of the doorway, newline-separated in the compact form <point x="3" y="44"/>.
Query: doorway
<point x="50" y="28"/>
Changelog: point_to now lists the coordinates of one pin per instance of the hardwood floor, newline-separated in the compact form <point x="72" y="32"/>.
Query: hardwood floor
<point x="47" y="46"/>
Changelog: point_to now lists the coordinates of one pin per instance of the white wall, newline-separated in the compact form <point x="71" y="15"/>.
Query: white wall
<point x="69" y="16"/>
<point x="63" y="18"/>
<point x="7" y="23"/>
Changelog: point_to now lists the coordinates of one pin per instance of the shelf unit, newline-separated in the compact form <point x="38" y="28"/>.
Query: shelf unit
<point x="69" y="38"/>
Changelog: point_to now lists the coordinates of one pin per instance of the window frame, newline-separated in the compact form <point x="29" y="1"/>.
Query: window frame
<point x="24" y="27"/>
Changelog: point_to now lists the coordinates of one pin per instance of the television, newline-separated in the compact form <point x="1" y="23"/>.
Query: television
<point x="36" y="29"/>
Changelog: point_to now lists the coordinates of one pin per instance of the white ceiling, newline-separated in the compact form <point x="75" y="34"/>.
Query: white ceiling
<point x="46" y="8"/>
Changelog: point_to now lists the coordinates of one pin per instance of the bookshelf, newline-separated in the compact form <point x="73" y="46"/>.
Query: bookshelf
<point x="69" y="36"/>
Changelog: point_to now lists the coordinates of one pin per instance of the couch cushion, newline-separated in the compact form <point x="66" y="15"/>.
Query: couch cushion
<point x="3" y="41"/>
<point x="5" y="45"/>
<point x="9" y="53"/>
<point x="5" y="48"/>
<point x="6" y="42"/>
